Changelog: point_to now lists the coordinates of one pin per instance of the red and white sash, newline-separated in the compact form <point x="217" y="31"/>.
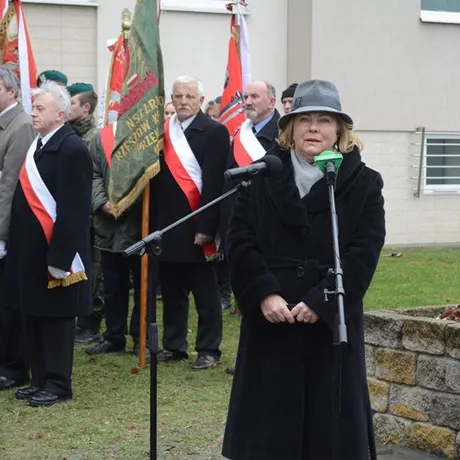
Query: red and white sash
<point x="186" y="170"/>
<point x="43" y="206"/>
<point x="108" y="141"/>
<point x="246" y="147"/>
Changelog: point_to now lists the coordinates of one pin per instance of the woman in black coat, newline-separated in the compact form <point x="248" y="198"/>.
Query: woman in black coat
<point x="280" y="250"/>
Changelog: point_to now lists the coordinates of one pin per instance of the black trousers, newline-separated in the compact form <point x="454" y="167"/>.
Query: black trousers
<point x="50" y="343"/>
<point x="13" y="363"/>
<point x="93" y="321"/>
<point x="116" y="270"/>
<point x="177" y="280"/>
<point x="223" y="278"/>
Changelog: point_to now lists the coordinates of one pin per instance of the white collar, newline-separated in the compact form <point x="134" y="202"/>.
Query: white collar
<point x="46" y="138"/>
<point x="187" y="122"/>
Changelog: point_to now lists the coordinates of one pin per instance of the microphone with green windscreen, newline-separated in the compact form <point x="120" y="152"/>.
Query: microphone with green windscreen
<point x="329" y="163"/>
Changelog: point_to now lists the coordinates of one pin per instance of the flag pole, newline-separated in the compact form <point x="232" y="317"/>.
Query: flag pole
<point x="125" y="28"/>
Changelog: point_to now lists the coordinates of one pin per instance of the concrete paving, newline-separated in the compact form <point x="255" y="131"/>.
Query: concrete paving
<point x="399" y="453"/>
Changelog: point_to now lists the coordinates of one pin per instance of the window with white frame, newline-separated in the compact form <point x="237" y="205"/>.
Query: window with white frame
<point x="445" y="11"/>
<point x="202" y="6"/>
<point x="442" y="162"/>
<point x="65" y="2"/>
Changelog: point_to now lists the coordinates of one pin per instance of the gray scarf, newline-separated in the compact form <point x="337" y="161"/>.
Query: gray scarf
<point x="305" y="173"/>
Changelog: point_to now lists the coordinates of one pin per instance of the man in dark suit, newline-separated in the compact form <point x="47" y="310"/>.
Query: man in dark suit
<point x="16" y="135"/>
<point x="47" y="270"/>
<point x="261" y="124"/>
<point x="192" y="167"/>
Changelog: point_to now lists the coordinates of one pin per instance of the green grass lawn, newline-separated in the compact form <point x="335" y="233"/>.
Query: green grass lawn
<point x="109" y="416"/>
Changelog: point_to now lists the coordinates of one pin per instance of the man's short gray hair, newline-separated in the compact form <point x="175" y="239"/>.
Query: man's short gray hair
<point x="185" y="79"/>
<point x="10" y="80"/>
<point x="58" y="92"/>
<point x="271" y="90"/>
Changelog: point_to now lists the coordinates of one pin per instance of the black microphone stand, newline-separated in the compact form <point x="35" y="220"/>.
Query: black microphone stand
<point x="340" y="339"/>
<point x="151" y="244"/>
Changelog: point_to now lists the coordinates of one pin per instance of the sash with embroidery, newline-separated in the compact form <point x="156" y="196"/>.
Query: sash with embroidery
<point x="246" y="147"/>
<point x="108" y="141"/>
<point x="43" y="206"/>
<point x="186" y="171"/>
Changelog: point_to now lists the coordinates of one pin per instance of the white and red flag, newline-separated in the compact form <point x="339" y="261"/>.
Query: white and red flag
<point x="16" y="50"/>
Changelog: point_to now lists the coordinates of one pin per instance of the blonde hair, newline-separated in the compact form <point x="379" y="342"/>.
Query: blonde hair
<point x="346" y="142"/>
<point x="210" y="106"/>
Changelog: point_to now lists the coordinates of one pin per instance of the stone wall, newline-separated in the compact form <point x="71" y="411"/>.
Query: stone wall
<point x="413" y="368"/>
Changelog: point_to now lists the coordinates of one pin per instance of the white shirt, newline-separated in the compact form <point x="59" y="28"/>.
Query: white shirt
<point x="46" y="138"/>
<point x="186" y="123"/>
<point x="12" y="106"/>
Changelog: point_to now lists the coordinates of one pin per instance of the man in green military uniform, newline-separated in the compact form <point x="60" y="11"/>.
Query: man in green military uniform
<point x="81" y="116"/>
<point x="81" y="119"/>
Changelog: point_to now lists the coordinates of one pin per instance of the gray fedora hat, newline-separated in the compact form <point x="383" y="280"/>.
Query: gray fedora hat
<point x="315" y="96"/>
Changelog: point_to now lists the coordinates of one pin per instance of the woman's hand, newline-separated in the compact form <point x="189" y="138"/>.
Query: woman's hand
<point x="303" y="314"/>
<point x="275" y="309"/>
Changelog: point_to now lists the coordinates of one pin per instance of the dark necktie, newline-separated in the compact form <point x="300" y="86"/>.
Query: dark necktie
<point x="254" y="130"/>
<point x="39" y="147"/>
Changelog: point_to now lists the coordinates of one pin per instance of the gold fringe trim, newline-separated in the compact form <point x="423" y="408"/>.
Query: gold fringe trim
<point x="119" y="208"/>
<point x="71" y="279"/>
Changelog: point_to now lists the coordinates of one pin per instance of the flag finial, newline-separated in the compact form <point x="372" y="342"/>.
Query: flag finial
<point x="125" y="22"/>
<point x="235" y="6"/>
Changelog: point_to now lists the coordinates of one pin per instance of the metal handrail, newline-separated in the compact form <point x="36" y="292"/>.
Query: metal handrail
<point x="450" y="144"/>
<point x="447" y="155"/>
<point x="437" y="167"/>
<point x="419" y="181"/>
<point x="439" y="178"/>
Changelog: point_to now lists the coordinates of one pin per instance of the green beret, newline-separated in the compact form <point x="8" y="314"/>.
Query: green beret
<point x="78" y="88"/>
<point x="52" y="75"/>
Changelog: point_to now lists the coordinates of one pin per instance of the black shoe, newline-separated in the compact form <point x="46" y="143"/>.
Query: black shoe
<point x="8" y="384"/>
<point x="165" y="356"/>
<point x="159" y="295"/>
<point x="106" y="346"/>
<point x="87" y="336"/>
<point x="230" y="370"/>
<point x="27" y="392"/>
<point x="226" y="303"/>
<point x="205" y="362"/>
<point x="136" y="353"/>
<point x="45" y="399"/>
<point x="226" y="299"/>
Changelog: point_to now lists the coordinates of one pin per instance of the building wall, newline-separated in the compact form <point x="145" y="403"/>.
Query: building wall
<point x="196" y="43"/>
<point x="299" y="41"/>
<point x="394" y="74"/>
<point x="388" y="66"/>
<point x="429" y="219"/>
<point x="63" y="37"/>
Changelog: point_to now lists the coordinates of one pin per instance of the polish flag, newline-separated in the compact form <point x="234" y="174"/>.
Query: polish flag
<point x="17" y="51"/>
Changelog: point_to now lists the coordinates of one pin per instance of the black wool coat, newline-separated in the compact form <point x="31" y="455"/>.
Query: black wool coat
<point x="280" y="406"/>
<point x="266" y="137"/>
<point x="210" y="143"/>
<point x="65" y="166"/>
